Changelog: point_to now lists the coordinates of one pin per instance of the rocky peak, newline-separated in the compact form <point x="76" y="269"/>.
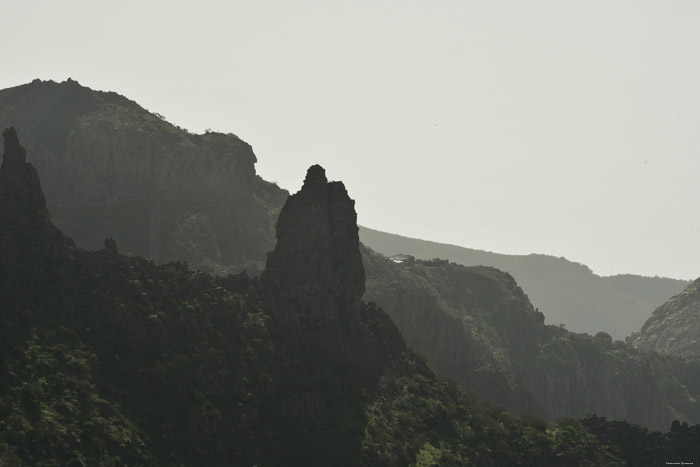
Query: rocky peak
<point x="110" y="168"/>
<point x="316" y="265"/>
<point x="24" y="225"/>
<point x="14" y="153"/>
<point x="19" y="182"/>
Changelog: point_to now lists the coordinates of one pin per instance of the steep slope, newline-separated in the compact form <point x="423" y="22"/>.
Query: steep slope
<point x="563" y="291"/>
<point x="476" y="325"/>
<point x="674" y="327"/>
<point x="118" y="361"/>
<point x="112" y="169"/>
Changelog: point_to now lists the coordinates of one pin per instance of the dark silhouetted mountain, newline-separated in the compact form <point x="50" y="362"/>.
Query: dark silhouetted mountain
<point x="112" y="169"/>
<point x="565" y="292"/>
<point x="674" y="327"/>
<point x="119" y="361"/>
<point x="158" y="362"/>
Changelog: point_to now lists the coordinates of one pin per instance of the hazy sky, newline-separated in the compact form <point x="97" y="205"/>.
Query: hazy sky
<point x="570" y="128"/>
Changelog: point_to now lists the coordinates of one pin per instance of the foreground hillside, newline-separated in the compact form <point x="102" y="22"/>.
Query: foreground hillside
<point x="563" y="291"/>
<point x="476" y="325"/>
<point x="113" y="360"/>
<point x="674" y="327"/>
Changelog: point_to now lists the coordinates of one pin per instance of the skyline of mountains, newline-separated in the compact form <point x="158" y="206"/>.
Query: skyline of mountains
<point x="112" y="169"/>
<point x="322" y="338"/>
<point x="567" y="293"/>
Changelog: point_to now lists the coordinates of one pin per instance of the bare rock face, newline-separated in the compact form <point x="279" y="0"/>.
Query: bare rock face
<point x="20" y="190"/>
<point x="110" y="168"/>
<point x="674" y="327"/>
<point x="316" y="267"/>
<point x="476" y="325"/>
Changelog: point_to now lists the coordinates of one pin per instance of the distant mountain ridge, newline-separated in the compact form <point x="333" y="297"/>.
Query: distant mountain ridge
<point x="566" y="292"/>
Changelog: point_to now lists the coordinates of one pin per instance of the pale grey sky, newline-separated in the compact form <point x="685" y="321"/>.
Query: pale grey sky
<point x="570" y="128"/>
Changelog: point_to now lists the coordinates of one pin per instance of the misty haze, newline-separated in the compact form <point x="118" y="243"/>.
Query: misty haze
<point x="368" y="234"/>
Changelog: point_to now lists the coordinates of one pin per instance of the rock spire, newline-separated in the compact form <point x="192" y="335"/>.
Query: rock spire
<point x="19" y="182"/>
<point x="316" y="265"/>
<point x="25" y="229"/>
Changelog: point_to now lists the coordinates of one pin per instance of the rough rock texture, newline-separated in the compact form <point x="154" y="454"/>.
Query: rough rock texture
<point x="564" y="291"/>
<point x="112" y="169"/>
<point x="462" y="327"/>
<point x="476" y="325"/>
<point x="674" y="327"/>
<point x="316" y="266"/>
<point x="19" y="181"/>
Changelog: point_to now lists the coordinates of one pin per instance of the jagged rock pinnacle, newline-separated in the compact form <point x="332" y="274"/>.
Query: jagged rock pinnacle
<point x="317" y="264"/>
<point x="13" y="150"/>
<point x="19" y="181"/>
<point x="24" y="224"/>
<point x="315" y="178"/>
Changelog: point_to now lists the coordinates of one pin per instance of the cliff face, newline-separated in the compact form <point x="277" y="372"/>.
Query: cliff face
<point x="476" y="325"/>
<point x="316" y="267"/>
<point x="112" y="169"/>
<point x="674" y="327"/>
<point x="564" y="291"/>
<point x="25" y="230"/>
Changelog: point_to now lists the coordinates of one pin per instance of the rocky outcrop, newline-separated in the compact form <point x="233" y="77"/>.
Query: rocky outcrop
<point x="25" y="230"/>
<point x="20" y="191"/>
<point x="674" y="327"/>
<point x="316" y="268"/>
<point x="124" y="173"/>
<point x="112" y="169"/>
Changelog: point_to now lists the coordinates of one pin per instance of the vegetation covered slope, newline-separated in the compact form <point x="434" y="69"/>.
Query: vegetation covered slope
<point x="113" y="360"/>
<point x="564" y="291"/>
<point x="674" y="327"/>
<point x="476" y="325"/>
<point x="112" y="169"/>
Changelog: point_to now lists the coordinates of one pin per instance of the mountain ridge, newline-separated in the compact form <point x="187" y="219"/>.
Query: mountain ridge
<point x="475" y="324"/>
<point x="566" y="292"/>
<point x="112" y="169"/>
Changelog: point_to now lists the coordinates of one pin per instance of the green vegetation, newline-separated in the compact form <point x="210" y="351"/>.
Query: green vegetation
<point x="134" y="364"/>
<point x="112" y="360"/>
